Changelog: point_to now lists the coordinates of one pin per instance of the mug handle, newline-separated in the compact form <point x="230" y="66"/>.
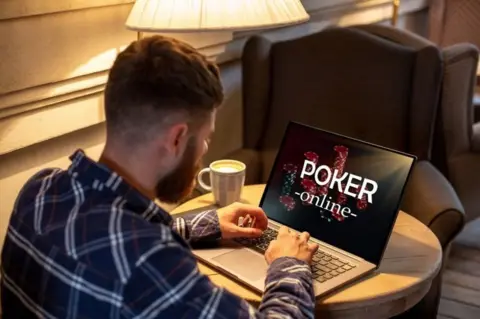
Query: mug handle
<point x="202" y="184"/>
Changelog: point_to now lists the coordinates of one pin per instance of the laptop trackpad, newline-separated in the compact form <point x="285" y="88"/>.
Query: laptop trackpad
<point x="245" y="263"/>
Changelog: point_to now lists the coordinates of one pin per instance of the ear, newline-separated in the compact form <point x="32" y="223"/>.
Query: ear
<point x="176" y="138"/>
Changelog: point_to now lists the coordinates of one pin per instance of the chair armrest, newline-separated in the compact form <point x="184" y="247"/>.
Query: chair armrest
<point x="476" y="106"/>
<point x="476" y="136"/>
<point x="457" y="116"/>
<point x="251" y="158"/>
<point x="430" y="198"/>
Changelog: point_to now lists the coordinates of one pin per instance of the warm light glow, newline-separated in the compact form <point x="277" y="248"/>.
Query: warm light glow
<point x="213" y="15"/>
<point x="98" y="62"/>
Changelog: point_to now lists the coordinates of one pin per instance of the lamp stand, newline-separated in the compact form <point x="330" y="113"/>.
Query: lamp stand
<point x="139" y="35"/>
<point x="396" y="7"/>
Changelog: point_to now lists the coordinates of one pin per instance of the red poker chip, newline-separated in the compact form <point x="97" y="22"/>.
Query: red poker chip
<point x="311" y="156"/>
<point x="323" y="176"/>
<point x="342" y="199"/>
<point x="287" y="201"/>
<point x="323" y="190"/>
<point x="308" y="183"/>
<point x="341" y="149"/>
<point x="362" y="204"/>
<point x="356" y="189"/>
<point x="337" y="215"/>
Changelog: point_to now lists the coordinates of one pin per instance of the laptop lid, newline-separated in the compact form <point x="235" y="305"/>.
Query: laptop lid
<point x="343" y="191"/>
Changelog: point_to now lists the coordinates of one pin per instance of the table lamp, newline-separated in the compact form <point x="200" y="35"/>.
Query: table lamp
<point x="201" y="16"/>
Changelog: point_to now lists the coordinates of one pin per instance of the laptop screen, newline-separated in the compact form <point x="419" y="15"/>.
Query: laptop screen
<point x="342" y="191"/>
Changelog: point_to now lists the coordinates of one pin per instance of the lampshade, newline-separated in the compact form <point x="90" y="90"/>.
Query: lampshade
<point x="213" y="15"/>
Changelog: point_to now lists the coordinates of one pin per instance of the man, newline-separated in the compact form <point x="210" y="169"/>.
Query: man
<point x="90" y="242"/>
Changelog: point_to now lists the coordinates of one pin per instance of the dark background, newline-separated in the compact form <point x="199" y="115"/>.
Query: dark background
<point x="365" y="235"/>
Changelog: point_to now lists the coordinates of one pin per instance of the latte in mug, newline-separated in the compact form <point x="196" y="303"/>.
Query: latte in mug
<point x="227" y="178"/>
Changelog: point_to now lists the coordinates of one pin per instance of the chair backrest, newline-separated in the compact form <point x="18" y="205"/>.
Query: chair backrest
<point x="346" y="80"/>
<point x="456" y="116"/>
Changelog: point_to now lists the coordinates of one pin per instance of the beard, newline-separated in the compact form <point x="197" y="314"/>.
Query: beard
<point x="180" y="183"/>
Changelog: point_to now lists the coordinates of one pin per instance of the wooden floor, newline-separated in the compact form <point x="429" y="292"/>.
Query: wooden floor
<point x="461" y="283"/>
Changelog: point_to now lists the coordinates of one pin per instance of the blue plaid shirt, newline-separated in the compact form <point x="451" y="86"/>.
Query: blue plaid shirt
<point x="83" y="243"/>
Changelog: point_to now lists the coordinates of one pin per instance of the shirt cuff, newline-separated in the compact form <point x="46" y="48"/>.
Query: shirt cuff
<point x="293" y="268"/>
<point x="202" y="227"/>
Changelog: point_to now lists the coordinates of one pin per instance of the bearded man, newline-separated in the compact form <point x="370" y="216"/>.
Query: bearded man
<point x="90" y="242"/>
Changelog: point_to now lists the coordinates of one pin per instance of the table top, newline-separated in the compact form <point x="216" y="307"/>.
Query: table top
<point x="411" y="260"/>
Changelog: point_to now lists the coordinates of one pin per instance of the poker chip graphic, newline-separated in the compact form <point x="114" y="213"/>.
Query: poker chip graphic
<point x="287" y="201"/>
<point x="310" y="187"/>
<point x="337" y="215"/>
<point x="289" y="174"/>
<point x="323" y="190"/>
<point x="339" y="165"/>
<point x="362" y="203"/>
<point x="312" y="156"/>
<point x="308" y="184"/>
<point x="340" y="159"/>
<point x="342" y="198"/>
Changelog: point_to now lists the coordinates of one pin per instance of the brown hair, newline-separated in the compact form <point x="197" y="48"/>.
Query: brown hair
<point x="154" y="80"/>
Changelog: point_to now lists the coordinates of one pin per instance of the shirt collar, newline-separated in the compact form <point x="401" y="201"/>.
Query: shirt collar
<point x="101" y="178"/>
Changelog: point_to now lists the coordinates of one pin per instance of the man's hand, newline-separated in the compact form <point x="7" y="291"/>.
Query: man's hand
<point x="229" y="216"/>
<point x="290" y="244"/>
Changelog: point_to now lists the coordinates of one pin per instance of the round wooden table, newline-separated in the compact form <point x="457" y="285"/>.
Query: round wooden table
<point x="411" y="261"/>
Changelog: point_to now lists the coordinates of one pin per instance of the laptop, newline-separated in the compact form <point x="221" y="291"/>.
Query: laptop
<point x="345" y="192"/>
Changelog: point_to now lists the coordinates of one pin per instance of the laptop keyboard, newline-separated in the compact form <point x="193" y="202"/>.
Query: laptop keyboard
<point x="325" y="266"/>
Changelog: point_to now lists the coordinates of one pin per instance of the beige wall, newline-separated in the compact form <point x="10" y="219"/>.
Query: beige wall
<point x="54" y="57"/>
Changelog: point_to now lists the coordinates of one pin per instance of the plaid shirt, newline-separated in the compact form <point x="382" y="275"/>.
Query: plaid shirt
<point x="82" y="243"/>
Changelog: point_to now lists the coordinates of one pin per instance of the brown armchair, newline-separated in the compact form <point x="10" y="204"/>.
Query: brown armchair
<point x="457" y="138"/>
<point x="382" y="89"/>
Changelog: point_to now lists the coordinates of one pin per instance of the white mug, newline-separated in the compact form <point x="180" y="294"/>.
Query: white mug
<point x="227" y="178"/>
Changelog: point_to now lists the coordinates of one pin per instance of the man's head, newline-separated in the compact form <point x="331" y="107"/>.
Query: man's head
<point x="160" y="105"/>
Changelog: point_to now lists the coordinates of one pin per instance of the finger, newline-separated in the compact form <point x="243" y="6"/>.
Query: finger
<point x="271" y="243"/>
<point x="248" y="232"/>
<point x="261" y="219"/>
<point x="313" y="247"/>
<point x="241" y="220"/>
<point x="246" y="221"/>
<point x="304" y="237"/>
<point x="283" y="231"/>
<point x="294" y="234"/>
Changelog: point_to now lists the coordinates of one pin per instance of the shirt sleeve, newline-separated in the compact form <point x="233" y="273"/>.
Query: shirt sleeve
<point x="199" y="227"/>
<point x="166" y="283"/>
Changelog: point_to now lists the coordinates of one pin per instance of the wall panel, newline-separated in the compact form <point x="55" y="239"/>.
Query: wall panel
<point x="55" y="56"/>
